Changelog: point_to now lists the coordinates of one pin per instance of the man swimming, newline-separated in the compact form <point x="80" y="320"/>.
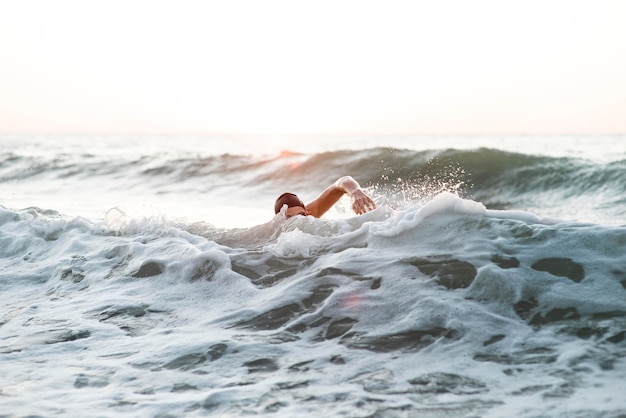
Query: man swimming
<point x="361" y="202"/>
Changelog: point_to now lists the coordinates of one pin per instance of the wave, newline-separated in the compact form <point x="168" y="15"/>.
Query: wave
<point x="479" y="170"/>
<point x="453" y="241"/>
<point x="447" y="306"/>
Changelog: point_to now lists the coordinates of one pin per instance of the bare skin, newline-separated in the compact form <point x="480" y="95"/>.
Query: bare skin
<point x="361" y="202"/>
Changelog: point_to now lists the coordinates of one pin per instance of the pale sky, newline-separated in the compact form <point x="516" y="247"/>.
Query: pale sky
<point x="347" y="67"/>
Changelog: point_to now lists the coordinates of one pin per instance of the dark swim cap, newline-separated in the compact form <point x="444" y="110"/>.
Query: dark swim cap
<point x="288" y="199"/>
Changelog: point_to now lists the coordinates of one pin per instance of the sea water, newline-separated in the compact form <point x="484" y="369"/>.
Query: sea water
<point x="149" y="277"/>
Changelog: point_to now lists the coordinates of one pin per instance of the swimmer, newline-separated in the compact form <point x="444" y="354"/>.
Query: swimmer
<point x="361" y="202"/>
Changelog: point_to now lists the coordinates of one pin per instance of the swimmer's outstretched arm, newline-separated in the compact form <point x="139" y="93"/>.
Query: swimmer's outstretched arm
<point x="361" y="202"/>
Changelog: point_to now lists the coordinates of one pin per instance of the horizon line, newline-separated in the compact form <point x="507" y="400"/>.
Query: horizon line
<point x="303" y="134"/>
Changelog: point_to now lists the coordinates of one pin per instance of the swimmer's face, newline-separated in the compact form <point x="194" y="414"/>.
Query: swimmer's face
<point x="296" y="210"/>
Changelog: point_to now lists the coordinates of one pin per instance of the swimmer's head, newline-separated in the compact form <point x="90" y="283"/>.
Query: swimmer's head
<point x="289" y="199"/>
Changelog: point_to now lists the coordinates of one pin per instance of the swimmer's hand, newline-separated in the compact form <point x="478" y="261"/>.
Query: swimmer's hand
<point x="361" y="203"/>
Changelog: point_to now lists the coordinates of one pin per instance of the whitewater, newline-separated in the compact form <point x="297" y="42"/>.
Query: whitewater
<point x="149" y="277"/>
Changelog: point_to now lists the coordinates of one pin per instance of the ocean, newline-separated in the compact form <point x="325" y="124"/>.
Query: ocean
<point x="147" y="276"/>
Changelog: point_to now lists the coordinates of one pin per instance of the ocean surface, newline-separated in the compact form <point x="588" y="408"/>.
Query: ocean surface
<point x="149" y="277"/>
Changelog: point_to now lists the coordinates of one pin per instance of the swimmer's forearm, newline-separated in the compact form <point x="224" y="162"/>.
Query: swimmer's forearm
<point x="348" y="185"/>
<point x="361" y="202"/>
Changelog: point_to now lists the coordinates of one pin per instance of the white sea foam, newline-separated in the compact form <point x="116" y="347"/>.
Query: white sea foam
<point x="152" y="320"/>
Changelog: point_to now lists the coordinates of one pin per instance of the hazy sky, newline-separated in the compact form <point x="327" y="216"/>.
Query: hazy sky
<point x="401" y="67"/>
